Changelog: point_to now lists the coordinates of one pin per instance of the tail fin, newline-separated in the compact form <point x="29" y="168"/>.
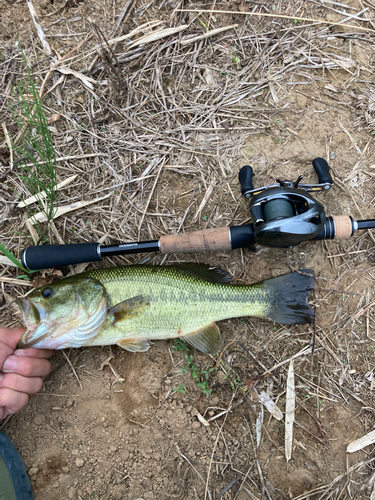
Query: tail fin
<point x="290" y="293"/>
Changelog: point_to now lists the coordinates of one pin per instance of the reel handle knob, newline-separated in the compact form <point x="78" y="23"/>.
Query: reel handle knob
<point x="246" y="180"/>
<point x="322" y="169"/>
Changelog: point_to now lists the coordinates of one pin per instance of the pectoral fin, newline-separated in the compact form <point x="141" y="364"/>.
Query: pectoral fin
<point x="134" y="345"/>
<point x="129" y="308"/>
<point x="206" y="340"/>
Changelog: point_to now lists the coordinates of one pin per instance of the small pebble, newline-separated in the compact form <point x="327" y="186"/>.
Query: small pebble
<point x="39" y="419"/>
<point x="332" y="155"/>
<point x="71" y="493"/>
<point x="65" y="470"/>
<point x="79" y="462"/>
<point x="33" y="471"/>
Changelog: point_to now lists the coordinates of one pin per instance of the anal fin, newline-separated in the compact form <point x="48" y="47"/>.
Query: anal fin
<point x="206" y="340"/>
<point x="134" y="345"/>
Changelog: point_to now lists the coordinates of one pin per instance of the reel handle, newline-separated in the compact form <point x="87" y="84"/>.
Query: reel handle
<point x="246" y="180"/>
<point x="321" y="167"/>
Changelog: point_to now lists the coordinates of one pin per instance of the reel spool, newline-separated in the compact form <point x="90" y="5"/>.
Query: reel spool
<point x="284" y="213"/>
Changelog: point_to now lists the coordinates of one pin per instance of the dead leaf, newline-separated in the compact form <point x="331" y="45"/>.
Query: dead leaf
<point x="360" y="443"/>
<point x="46" y="277"/>
<point x="40" y="280"/>
<point x="243" y="7"/>
<point x="54" y="118"/>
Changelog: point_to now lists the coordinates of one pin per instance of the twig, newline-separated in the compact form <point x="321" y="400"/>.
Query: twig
<point x="73" y="369"/>
<point x="290" y="409"/>
<point x="279" y="16"/>
<point x="9" y="144"/>
<point x="62" y="210"/>
<point x="124" y="15"/>
<point x="208" y="34"/>
<point x="149" y="199"/>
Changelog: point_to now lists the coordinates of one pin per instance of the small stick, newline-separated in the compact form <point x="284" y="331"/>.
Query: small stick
<point x="43" y="194"/>
<point x="290" y="409"/>
<point x="188" y="461"/>
<point x="14" y="281"/>
<point x="74" y="157"/>
<point x="208" y="34"/>
<point x="224" y="412"/>
<point x="204" y="201"/>
<point x="302" y="352"/>
<point x="209" y="19"/>
<point x="227" y="488"/>
<point x="213" y="451"/>
<point x="73" y="370"/>
<point x="41" y="216"/>
<point x="149" y="199"/>
<point x="362" y="311"/>
<point x="68" y="54"/>
<point x="278" y="16"/>
<point x="34" y="234"/>
<point x="9" y="144"/>
<point x="124" y="15"/>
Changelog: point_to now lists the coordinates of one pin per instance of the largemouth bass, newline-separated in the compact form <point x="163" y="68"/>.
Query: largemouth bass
<point x="131" y="305"/>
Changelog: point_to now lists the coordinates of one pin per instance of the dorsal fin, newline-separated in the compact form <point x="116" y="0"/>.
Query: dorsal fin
<point x="206" y="340"/>
<point x="211" y="274"/>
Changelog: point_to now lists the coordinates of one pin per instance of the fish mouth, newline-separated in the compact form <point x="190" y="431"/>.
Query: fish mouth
<point x="34" y="316"/>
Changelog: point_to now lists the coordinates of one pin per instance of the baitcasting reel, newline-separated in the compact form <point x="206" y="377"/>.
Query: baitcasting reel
<point x="284" y="214"/>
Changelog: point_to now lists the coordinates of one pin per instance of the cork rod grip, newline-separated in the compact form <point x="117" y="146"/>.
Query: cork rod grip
<point x="198" y="241"/>
<point x="343" y="227"/>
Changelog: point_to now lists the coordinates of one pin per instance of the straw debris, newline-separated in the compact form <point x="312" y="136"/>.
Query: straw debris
<point x="152" y="108"/>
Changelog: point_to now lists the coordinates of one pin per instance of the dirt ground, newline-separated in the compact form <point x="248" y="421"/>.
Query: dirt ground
<point x="110" y="424"/>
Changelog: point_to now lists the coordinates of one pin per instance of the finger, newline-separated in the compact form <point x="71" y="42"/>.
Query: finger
<point x="5" y="352"/>
<point x="29" y="385"/>
<point x="9" y="338"/>
<point x="12" y="400"/>
<point x="33" y="352"/>
<point x="28" y="367"/>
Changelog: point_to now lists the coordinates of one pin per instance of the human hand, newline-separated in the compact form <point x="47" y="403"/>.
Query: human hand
<point x="21" y="371"/>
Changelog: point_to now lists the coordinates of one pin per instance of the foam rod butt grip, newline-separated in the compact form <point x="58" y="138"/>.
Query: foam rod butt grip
<point x="198" y="241"/>
<point x="49" y="256"/>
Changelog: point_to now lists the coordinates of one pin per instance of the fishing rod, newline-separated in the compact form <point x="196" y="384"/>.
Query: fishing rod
<point x="284" y="215"/>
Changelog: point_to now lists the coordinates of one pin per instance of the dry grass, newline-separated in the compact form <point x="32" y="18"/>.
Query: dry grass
<point x="156" y="123"/>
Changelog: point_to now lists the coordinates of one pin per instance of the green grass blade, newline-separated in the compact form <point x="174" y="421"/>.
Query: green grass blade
<point x="37" y="165"/>
<point x="11" y="257"/>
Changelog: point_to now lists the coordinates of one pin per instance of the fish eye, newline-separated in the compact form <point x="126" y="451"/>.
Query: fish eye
<point x="47" y="293"/>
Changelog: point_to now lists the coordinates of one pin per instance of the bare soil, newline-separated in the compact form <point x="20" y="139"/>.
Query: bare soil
<point x="130" y="426"/>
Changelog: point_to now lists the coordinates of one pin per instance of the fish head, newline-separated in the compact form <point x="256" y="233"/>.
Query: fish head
<point x="67" y="313"/>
